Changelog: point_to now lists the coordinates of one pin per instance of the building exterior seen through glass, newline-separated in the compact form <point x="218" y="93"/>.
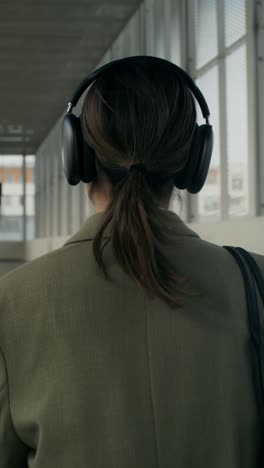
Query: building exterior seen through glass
<point x="13" y="198"/>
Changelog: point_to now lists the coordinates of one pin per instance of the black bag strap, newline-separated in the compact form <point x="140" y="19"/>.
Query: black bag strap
<point x="250" y="271"/>
<point x="255" y="269"/>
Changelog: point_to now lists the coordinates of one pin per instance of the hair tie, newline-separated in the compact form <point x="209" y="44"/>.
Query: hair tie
<point x="138" y="167"/>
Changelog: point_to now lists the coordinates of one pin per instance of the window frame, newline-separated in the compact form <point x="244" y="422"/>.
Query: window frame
<point x="222" y="52"/>
<point x="258" y="54"/>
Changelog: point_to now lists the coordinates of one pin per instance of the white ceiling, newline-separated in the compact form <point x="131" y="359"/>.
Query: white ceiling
<point x="46" y="48"/>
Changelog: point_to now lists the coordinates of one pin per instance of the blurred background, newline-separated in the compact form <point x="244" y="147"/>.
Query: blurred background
<point x="48" y="47"/>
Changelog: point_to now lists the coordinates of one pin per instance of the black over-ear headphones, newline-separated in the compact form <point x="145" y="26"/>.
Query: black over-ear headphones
<point x="79" y="159"/>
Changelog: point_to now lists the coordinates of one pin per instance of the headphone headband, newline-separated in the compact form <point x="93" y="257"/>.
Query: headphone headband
<point x="79" y="158"/>
<point x="191" y="84"/>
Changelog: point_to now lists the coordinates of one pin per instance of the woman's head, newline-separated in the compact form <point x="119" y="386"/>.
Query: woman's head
<point x="138" y="112"/>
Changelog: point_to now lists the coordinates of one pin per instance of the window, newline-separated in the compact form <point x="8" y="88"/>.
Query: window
<point x="236" y="98"/>
<point x="237" y="183"/>
<point x="9" y="177"/>
<point x="11" y="219"/>
<point x="7" y="200"/>
<point x="211" y="204"/>
<point x="205" y="19"/>
<point x="218" y="58"/>
<point x="30" y="197"/>
<point x="234" y="202"/>
<point x="236" y="205"/>
<point x="14" y="201"/>
<point x="208" y="82"/>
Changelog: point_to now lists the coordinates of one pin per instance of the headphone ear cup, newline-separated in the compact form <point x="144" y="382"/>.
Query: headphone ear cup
<point x="194" y="173"/>
<point x="204" y="146"/>
<point x="182" y="178"/>
<point x="78" y="158"/>
<point x="71" y="148"/>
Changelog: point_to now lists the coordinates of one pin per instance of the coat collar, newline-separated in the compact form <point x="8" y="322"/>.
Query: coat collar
<point x="89" y="228"/>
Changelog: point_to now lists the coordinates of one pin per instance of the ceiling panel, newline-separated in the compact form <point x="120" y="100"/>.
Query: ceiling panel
<point x="46" y="49"/>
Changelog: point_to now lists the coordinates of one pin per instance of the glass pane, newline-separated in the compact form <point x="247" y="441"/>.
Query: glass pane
<point x="237" y="131"/>
<point x="205" y="19"/>
<point x="235" y="20"/>
<point x="159" y="33"/>
<point x="30" y="197"/>
<point x="209" y="198"/>
<point x="11" y="219"/>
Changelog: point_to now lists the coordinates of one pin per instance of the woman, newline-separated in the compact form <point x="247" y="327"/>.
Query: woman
<point x="151" y="368"/>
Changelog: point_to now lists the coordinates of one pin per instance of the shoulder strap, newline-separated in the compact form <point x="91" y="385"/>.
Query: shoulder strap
<point x="255" y="270"/>
<point x="251" y="270"/>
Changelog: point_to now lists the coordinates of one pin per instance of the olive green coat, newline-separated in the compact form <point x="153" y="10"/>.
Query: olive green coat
<point x="94" y="374"/>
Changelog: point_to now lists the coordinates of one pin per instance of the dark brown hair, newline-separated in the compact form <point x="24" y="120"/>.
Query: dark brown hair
<point x="132" y="113"/>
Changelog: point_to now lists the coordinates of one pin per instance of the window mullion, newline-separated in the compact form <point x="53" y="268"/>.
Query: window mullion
<point x="251" y="50"/>
<point x="149" y="27"/>
<point x="223" y="112"/>
<point x="260" y="104"/>
<point x="24" y="198"/>
<point x="167" y="28"/>
<point x="191" y="199"/>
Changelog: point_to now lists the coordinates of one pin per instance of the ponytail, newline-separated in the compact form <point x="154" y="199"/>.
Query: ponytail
<point x="136" y="239"/>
